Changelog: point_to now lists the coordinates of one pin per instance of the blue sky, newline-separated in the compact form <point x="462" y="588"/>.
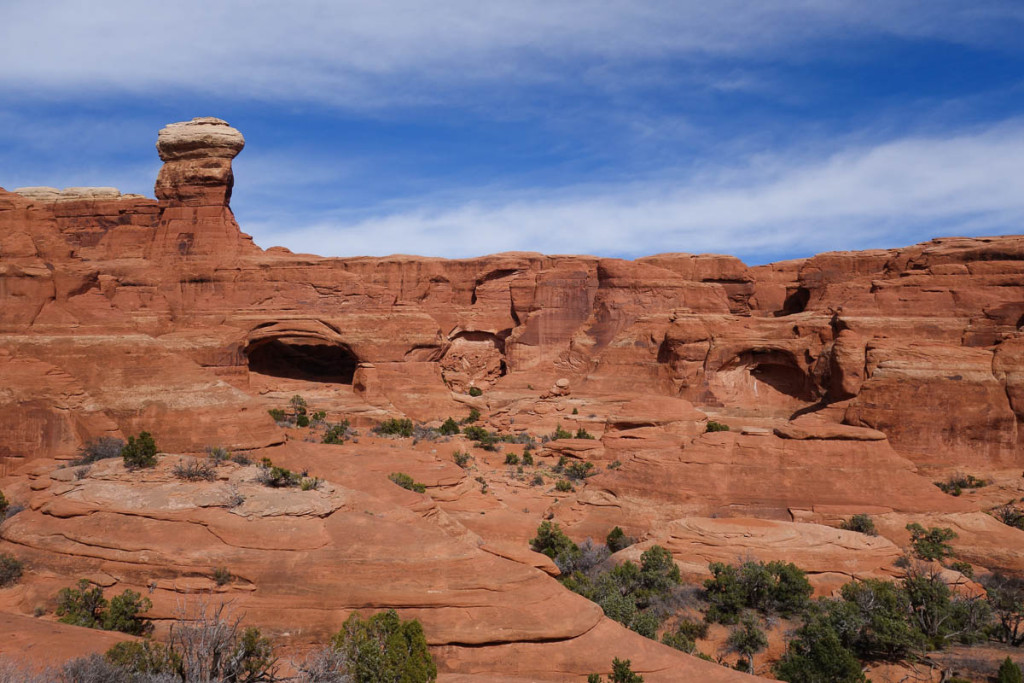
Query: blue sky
<point x="768" y="130"/>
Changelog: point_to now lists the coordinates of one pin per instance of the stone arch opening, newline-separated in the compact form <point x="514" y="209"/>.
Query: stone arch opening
<point x="304" y="358"/>
<point x="763" y="381"/>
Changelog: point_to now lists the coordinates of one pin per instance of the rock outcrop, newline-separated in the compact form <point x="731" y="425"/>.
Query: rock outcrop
<point x="849" y="382"/>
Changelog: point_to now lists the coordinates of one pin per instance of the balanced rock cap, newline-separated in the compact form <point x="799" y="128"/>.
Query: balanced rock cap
<point x="202" y="137"/>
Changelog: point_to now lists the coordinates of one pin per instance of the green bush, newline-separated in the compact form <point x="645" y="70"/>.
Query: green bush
<point x="320" y="416"/>
<point x="1009" y="672"/>
<point x="218" y="455"/>
<point x="713" y="426"/>
<point x="144" y="657"/>
<point x="816" y="655"/>
<point x="860" y="523"/>
<point x="385" y="648"/>
<point x="685" y="635"/>
<point x="527" y="457"/>
<point x="139" y="452"/>
<point x="337" y="434"/>
<point x="1010" y="515"/>
<point x="449" y="428"/>
<point x="269" y="474"/>
<point x="560" y="433"/>
<point x="511" y="459"/>
<point x="85" y="606"/>
<point x="461" y="459"/>
<point x="395" y="427"/>
<point x="931" y="544"/>
<point x="221" y="576"/>
<point x="956" y="484"/>
<point x="582" y="433"/>
<point x="621" y="673"/>
<point x="407" y="482"/>
<point x="553" y="542"/>
<point x="483" y="438"/>
<point x="578" y="471"/>
<point x="277" y="415"/>
<point x="617" y="540"/>
<point x="746" y="640"/>
<point x="473" y="416"/>
<point x="475" y="391"/>
<point x="1006" y="597"/>
<point x="537" y="480"/>
<point x="3" y="506"/>
<point x="772" y="588"/>
<point x="302" y="421"/>
<point x="563" y="486"/>
<point x="11" y="569"/>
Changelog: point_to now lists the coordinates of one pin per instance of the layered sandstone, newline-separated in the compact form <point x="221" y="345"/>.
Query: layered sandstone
<point x="850" y="382"/>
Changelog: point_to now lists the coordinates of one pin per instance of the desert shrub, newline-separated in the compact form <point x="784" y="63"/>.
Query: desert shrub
<point x="816" y="654"/>
<point x="685" y="634"/>
<point x="560" y="433"/>
<point x="461" y="459"/>
<point x="483" y="438"/>
<point x="1010" y="515"/>
<point x="476" y="391"/>
<point x="1009" y="672"/>
<point x="221" y="576"/>
<point x="582" y="433"/>
<point x="956" y="484"/>
<point x="218" y="455"/>
<point x="615" y="464"/>
<point x="617" y="540"/>
<point x="298" y="404"/>
<point x="385" y="648"/>
<point x="473" y="416"/>
<point x="194" y="470"/>
<point x="578" y="471"/>
<point x="302" y="421"/>
<point x="139" y="452"/>
<point x="563" y="486"/>
<point x="713" y="426"/>
<point x="320" y="416"/>
<point x="965" y="568"/>
<point x="511" y="459"/>
<point x="560" y="466"/>
<point x="528" y="458"/>
<point x="213" y="646"/>
<point x="241" y="458"/>
<point x="747" y="639"/>
<point x="3" y="506"/>
<point x="269" y="474"/>
<point x="310" y="483"/>
<point x="395" y="427"/>
<point x="537" y="480"/>
<point x="772" y="588"/>
<point x="337" y="433"/>
<point x="407" y="482"/>
<point x="11" y="569"/>
<point x="872" y="620"/>
<point x="103" y="448"/>
<point x="277" y="414"/>
<point x="553" y="542"/>
<point x="85" y="606"/>
<point x="860" y="523"/>
<point x="939" y="615"/>
<point x="1006" y="598"/>
<point x="449" y="428"/>
<point x="621" y="673"/>
<point x="931" y="544"/>
<point x="123" y="614"/>
<point x="144" y="657"/>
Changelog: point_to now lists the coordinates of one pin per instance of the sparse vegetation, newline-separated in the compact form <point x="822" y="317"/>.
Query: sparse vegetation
<point x="770" y="588"/>
<point x="621" y="673"/>
<point x="560" y="433"/>
<point x="3" y="506"/>
<point x="269" y="474"/>
<point x="221" y="576"/>
<point x="407" y="482"/>
<point x="473" y="416"/>
<point x="1010" y="515"/>
<point x="461" y="459"/>
<point x="931" y="543"/>
<point x="582" y="433"/>
<point x="139" y="452"/>
<point x="956" y="484"/>
<point x="578" y="471"/>
<point x="713" y="426"/>
<point x="382" y="648"/>
<point x="511" y="459"/>
<point x="11" y="569"/>
<point x="449" y="428"/>
<point x="475" y="392"/>
<point x="528" y="457"/>
<point x="1009" y="672"/>
<point x="337" y="433"/>
<point x="395" y="427"/>
<point x="618" y="540"/>
<point x="747" y="639"/>
<point x="85" y="606"/>
<point x="103" y="448"/>
<point x="277" y="414"/>
<point x="860" y="523"/>
<point x="563" y="486"/>
<point x="218" y="455"/>
<point x="194" y="470"/>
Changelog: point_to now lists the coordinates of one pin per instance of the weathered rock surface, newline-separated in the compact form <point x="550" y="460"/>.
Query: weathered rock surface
<point x="848" y="380"/>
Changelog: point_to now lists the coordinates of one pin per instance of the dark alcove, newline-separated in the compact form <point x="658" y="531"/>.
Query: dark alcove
<point x="303" y="358"/>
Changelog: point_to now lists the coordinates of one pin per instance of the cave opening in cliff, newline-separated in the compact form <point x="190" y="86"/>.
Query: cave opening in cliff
<point x="303" y="358"/>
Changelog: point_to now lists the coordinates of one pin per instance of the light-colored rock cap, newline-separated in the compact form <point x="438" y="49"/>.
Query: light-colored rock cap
<point x="68" y="194"/>
<point x="201" y="137"/>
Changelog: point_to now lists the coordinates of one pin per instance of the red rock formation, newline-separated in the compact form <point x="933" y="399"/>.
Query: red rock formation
<point x="850" y="382"/>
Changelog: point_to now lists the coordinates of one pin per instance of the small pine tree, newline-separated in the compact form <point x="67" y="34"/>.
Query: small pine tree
<point x="139" y="452"/>
<point x="1009" y="672"/>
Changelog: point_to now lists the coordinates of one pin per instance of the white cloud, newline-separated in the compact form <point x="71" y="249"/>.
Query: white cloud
<point x="359" y="53"/>
<point x="887" y="195"/>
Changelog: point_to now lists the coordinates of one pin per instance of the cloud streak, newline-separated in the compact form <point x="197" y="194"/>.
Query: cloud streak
<point x="884" y="195"/>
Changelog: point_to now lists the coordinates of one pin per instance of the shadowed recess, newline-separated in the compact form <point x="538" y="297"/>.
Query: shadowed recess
<point x="302" y="358"/>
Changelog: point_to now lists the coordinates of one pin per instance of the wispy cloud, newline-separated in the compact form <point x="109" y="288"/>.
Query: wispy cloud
<point x="884" y="195"/>
<point x="358" y="53"/>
